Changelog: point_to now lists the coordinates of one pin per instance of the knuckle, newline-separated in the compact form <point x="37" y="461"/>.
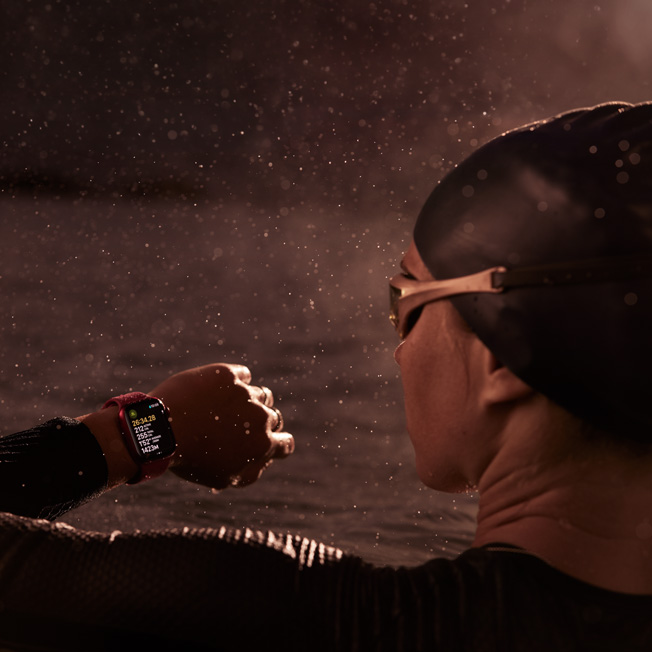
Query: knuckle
<point x="241" y="372"/>
<point x="234" y="373"/>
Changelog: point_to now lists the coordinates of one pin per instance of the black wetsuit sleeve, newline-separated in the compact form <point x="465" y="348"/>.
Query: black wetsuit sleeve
<point x="225" y="589"/>
<point x="50" y="469"/>
<point x="203" y="589"/>
<point x="194" y="589"/>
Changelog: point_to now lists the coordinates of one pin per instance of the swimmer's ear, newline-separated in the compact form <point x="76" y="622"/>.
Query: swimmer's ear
<point x="500" y="384"/>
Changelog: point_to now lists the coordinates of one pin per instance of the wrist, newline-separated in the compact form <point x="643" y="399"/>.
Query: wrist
<point x="144" y="423"/>
<point x="104" y="427"/>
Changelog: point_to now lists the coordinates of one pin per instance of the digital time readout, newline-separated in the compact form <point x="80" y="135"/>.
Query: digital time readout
<point x="143" y="420"/>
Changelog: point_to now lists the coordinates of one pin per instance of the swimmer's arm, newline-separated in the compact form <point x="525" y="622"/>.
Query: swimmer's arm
<point x="104" y="427"/>
<point x="202" y="589"/>
<point x="224" y="431"/>
<point x="225" y="435"/>
<point x="49" y="469"/>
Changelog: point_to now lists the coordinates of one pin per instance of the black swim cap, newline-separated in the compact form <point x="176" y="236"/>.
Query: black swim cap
<point x="574" y="188"/>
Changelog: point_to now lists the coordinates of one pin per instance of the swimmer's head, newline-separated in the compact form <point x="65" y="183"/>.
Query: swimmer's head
<point x="568" y="190"/>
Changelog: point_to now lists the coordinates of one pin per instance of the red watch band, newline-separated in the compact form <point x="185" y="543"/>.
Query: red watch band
<point x="148" y="469"/>
<point x="125" y="399"/>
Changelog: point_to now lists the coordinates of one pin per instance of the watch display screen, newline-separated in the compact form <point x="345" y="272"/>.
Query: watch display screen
<point x="150" y="429"/>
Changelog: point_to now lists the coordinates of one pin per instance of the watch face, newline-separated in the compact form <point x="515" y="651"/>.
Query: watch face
<point x="149" y="427"/>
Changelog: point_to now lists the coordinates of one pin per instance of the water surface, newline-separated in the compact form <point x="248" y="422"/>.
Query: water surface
<point x="104" y="295"/>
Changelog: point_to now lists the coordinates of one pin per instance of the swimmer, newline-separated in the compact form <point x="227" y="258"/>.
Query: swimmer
<point x="524" y="308"/>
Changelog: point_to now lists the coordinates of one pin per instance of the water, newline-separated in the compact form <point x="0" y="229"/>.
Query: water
<point x="100" y="295"/>
<point x="103" y="295"/>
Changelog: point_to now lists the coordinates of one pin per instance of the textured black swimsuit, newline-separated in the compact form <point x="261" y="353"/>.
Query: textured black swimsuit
<point x="226" y="589"/>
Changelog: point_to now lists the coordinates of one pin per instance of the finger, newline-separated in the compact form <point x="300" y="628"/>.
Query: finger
<point x="274" y="418"/>
<point x="250" y="473"/>
<point x="282" y="445"/>
<point x="266" y="397"/>
<point x="240" y="372"/>
<point x="276" y="423"/>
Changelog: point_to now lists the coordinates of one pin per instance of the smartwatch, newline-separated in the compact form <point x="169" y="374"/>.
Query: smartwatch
<point x="145" y="426"/>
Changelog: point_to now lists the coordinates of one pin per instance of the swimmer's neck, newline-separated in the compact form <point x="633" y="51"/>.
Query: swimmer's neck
<point x="585" y="513"/>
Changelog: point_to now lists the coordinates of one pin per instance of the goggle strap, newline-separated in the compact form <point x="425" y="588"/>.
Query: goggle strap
<point x="595" y="270"/>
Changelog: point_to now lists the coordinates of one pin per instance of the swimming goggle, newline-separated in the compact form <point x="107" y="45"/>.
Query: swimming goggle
<point x="406" y="294"/>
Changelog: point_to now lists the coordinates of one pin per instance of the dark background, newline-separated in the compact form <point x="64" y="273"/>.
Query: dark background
<point x="194" y="182"/>
<point x="279" y="101"/>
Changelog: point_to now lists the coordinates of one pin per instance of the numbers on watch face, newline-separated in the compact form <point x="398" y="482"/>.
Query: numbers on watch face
<point x="150" y="429"/>
<point x="143" y="420"/>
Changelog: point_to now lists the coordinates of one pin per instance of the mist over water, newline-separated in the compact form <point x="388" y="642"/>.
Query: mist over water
<point x="288" y="102"/>
<point x="105" y="297"/>
<point x="204" y="181"/>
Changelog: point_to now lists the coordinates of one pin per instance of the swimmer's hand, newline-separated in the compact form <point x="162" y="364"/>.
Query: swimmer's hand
<point x="227" y="430"/>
